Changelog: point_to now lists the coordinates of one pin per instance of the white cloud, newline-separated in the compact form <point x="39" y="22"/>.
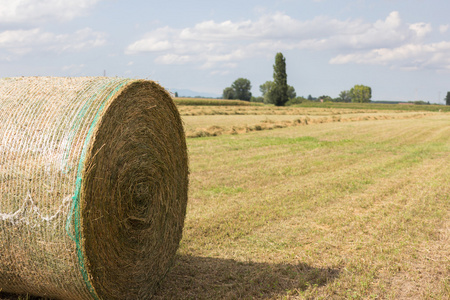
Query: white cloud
<point x="444" y="28"/>
<point x="21" y="42"/>
<point x="171" y="58"/>
<point x="390" y="32"/>
<point x="26" y="11"/>
<point x="157" y="40"/>
<point x="18" y="41"/>
<point x="421" y="29"/>
<point x="210" y="44"/>
<point x="408" y="56"/>
<point x="411" y="54"/>
<point x="148" y="45"/>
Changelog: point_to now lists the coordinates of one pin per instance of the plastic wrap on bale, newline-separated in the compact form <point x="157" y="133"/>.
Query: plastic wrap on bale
<point x="93" y="186"/>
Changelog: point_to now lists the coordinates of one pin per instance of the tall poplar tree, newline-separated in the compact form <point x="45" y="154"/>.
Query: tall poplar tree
<point x="279" y="93"/>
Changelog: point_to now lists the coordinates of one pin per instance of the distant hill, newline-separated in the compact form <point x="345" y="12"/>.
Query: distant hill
<point x="190" y="93"/>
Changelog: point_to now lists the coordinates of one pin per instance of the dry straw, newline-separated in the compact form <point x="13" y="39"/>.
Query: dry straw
<point x="93" y="186"/>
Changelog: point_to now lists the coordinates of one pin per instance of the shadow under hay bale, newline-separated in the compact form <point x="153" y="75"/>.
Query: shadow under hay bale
<point x="215" y="278"/>
<point x="93" y="185"/>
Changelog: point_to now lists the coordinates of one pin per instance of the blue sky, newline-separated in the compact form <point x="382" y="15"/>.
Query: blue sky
<point x="400" y="48"/>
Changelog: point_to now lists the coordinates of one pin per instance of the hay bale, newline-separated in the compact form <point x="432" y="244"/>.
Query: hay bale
<point x="93" y="185"/>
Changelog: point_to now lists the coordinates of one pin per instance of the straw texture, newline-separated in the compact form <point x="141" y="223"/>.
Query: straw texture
<point x="93" y="186"/>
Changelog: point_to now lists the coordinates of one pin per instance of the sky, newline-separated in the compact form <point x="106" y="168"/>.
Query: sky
<point x="400" y="48"/>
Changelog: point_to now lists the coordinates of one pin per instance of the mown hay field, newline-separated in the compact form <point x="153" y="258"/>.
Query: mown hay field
<point x="331" y="210"/>
<point x="349" y="205"/>
<point x="201" y="121"/>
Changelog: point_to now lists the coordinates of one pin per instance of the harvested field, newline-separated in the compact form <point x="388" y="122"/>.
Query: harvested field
<point x="273" y="110"/>
<point x="356" y="210"/>
<point x="201" y="121"/>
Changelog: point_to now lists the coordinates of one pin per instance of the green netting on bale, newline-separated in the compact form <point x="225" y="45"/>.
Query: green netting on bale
<point x="93" y="186"/>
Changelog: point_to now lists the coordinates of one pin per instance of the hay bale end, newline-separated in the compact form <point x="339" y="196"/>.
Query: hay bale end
<point x="93" y="186"/>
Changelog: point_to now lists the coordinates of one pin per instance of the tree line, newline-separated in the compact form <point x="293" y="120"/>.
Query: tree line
<point x="278" y="92"/>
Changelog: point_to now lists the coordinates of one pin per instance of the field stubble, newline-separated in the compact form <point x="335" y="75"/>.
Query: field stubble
<point x="332" y="210"/>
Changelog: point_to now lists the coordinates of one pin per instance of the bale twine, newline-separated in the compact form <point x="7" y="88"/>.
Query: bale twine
<point x="93" y="186"/>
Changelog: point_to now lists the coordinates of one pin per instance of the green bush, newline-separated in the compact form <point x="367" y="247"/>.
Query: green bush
<point x="297" y="100"/>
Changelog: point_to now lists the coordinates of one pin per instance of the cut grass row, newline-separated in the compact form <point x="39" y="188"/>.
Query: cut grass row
<point x="214" y="125"/>
<point x="203" y="121"/>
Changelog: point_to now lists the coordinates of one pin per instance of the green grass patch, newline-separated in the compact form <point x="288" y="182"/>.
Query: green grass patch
<point x="377" y="106"/>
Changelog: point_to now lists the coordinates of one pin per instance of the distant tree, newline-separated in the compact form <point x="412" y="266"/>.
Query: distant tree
<point x="311" y="98"/>
<point x="419" y="102"/>
<point x="291" y="92"/>
<point x="447" y="99"/>
<point x="325" y="98"/>
<point x="296" y="100"/>
<point x="279" y="93"/>
<point x="344" y="96"/>
<point x="228" y="93"/>
<point x="361" y="93"/>
<point x="267" y="87"/>
<point x="257" y="99"/>
<point x="242" y="87"/>
<point x="176" y="94"/>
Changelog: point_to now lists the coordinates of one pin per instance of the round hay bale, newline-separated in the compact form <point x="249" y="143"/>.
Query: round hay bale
<point x="93" y="185"/>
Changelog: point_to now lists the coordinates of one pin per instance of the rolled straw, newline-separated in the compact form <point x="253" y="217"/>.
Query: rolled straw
<point x="93" y="186"/>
